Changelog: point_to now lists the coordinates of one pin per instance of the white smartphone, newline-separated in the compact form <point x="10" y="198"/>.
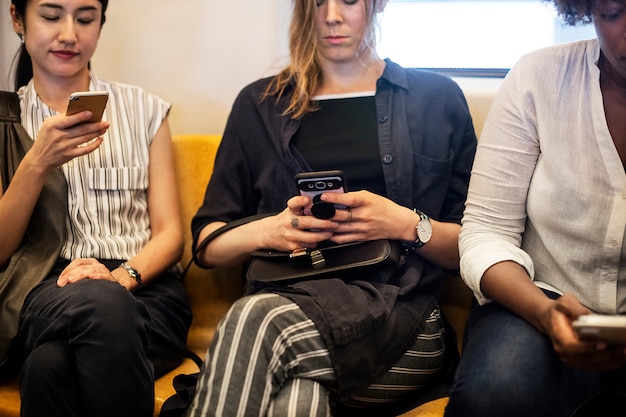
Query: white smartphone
<point x="94" y="101"/>
<point x="602" y="327"/>
<point x="313" y="184"/>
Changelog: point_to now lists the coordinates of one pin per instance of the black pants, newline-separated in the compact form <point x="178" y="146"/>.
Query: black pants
<point x="93" y="349"/>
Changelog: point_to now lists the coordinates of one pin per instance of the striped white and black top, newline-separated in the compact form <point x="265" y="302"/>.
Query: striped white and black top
<point x="107" y="189"/>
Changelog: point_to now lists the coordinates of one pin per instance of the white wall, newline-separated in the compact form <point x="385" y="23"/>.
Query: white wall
<point x="8" y="43"/>
<point x="197" y="54"/>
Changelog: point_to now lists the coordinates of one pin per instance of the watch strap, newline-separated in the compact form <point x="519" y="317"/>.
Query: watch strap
<point x="412" y="246"/>
<point x="132" y="272"/>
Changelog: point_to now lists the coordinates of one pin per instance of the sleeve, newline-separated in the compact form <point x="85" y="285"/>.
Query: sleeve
<point x="464" y="149"/>
<point x="495" y="213"/>
<point x="230" y="192"/>
<point x="156" y="110"/>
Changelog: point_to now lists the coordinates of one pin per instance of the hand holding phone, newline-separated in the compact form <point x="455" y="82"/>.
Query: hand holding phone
<point x="602" y="327"/>
<point x="314" y="184"/>
<point x="94" y="101"/>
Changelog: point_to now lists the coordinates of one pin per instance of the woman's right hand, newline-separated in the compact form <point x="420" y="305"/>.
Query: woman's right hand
<point x="586" y="354"/>
<point x="63" y="138"/>
<point x="60" y="139"/>
<point x="285" y="231"/>
<point x="292" y="228"/>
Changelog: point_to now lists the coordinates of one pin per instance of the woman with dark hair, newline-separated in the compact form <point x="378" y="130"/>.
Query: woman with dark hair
<point x="543" y="237"/>
<point x="24" y="70"/>
<point x="111" y="314"/>
<point x="363" y="344"/>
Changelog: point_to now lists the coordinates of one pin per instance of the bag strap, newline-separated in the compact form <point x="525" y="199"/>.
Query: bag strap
<point x="177" y="404"/>
<point x="194" y="357"/>
<point x="217" y="232"/>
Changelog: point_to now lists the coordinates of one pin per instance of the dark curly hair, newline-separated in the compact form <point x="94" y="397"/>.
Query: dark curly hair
<point x="574" y="12"/>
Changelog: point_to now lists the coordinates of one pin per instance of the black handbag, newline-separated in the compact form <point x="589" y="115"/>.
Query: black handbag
<point x="345" y="260"/>
<point x="328" y="259"/>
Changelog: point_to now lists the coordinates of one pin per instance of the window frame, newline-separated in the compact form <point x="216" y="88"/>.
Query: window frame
<point x="494" y="72"/>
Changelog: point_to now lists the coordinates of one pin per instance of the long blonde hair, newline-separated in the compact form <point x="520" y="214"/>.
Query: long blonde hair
<point x="304" y="71"/>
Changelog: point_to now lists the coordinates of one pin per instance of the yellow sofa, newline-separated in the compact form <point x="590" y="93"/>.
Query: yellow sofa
<point x="212" y="292"/>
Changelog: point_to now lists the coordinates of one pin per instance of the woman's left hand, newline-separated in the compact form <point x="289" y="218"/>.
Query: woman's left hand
<point x="585" y="354"/>
<point x="368" y="217"/>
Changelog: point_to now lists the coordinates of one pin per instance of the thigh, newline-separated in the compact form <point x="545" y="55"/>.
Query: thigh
<point x="264" y="342"/>
<point x="509" y="367"/>
<point x="419" y="368"/>
<point x="52" y="313"/>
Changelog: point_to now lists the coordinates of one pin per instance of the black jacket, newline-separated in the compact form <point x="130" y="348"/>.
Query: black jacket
<point x="427" y="144"/>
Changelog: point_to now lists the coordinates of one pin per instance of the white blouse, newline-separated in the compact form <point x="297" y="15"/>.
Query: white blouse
<point x="548" y="188"/>
<point x="107" y="189"/>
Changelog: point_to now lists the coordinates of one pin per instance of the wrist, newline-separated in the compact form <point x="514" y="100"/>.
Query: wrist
<point x="121" y="277"/>
<point x="421" y="232"/>
<point x="129" y="275"/>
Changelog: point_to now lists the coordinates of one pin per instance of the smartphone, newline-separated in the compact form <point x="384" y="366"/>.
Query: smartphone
<point x="313" y="184"/>
<point x="602" y="327"/>
<point x="94" y="101"/>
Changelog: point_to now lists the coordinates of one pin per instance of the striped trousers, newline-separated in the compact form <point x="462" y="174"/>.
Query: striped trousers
<point x="268" y="359"/>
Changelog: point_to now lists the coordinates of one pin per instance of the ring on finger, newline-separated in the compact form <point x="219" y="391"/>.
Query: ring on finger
<point x="349" y="214"/>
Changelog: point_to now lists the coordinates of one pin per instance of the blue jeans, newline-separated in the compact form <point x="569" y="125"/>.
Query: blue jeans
<point x="508" y="368"/>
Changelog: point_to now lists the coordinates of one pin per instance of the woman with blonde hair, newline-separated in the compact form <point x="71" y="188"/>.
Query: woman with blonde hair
<point x="360" y="343"/>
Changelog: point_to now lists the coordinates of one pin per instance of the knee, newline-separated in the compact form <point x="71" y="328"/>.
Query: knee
<point x="492" y="394"/>
<point x="257" y="310"/>
<point x="111" y="311"/>
<point x="301" y="397"/>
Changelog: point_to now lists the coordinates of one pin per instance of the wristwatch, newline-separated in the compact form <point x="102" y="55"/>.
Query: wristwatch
<point x="134" y="274"/>
<point x="424" y="231"/>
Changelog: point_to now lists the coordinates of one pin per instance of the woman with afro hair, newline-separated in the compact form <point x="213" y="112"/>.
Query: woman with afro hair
<point x="543" y="234"/>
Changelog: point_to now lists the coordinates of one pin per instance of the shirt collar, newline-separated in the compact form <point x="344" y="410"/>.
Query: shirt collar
<point x="32" y="102"/>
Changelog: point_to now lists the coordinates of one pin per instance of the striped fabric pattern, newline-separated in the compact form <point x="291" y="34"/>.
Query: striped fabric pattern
<point x="108" y="209"/>
<point x="268" y="359"/>
<point x="418" y="368"/>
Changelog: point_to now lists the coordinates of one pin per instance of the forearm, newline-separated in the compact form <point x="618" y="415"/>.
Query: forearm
<point x="233" y="247"/>
<point x="162" y="251"/>
<point x="443" y="247"/>
<point x="509" y="284"/>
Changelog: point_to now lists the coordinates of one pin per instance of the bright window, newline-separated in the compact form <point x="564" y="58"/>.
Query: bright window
<point x="479" y="37"/>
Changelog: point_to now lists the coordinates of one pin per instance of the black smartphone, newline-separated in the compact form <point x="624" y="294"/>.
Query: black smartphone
<point x="313" y="184"/>
<point x="94" y="101"/>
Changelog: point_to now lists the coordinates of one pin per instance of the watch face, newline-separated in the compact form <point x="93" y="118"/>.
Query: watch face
<point x="424" y="230"/>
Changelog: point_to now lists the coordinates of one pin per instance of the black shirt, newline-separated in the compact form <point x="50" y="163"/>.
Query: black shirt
<point x="342" y="134"/>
